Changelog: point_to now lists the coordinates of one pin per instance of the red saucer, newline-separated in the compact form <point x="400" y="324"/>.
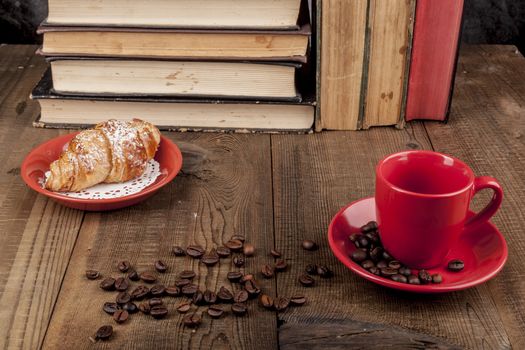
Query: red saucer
<point x="484" y="252"/>
<point x="37" y="163"/>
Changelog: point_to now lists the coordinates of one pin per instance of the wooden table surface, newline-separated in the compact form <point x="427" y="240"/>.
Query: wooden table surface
<point x="276" y="190"/>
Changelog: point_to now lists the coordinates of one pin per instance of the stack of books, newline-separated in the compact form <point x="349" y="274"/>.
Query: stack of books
<point x="180" y="64"/>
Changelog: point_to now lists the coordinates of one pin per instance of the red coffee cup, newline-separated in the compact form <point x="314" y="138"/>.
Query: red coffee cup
<point x="422" y="199"/>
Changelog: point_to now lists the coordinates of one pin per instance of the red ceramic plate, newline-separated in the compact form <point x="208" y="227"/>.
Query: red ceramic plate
<point x="484" y="252"/>
<point x="37" y="163"/>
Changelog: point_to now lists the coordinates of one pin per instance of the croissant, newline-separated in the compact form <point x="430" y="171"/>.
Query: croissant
<point x="113" y="151"/>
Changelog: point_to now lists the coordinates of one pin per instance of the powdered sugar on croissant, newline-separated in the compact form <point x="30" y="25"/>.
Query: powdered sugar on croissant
<point x="114" y="151"/>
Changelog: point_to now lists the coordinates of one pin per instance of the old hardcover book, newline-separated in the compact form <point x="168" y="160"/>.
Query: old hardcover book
<point x="271" y="14"/>
<point x="95" y="76"/>
<point x="434" y="56"/>
<point x="289" y="45"/>
<point x="172" y="113"/>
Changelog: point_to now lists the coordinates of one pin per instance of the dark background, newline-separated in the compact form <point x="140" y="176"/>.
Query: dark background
<point x="485" y="21"/>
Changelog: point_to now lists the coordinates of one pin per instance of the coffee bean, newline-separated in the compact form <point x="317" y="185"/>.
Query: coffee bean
<point x="120" y="316"/>
<point x="311" y="269"/>
<point x="456" y="265"/>
<point x="182" y="282"/>
<point x="358" y="256"/>
<point x="144" y="307"/>
<point x="388" y="272"/>
<point x="108" y="283"/>
<point x="192" y="321"/>
<point x="324" y="271"/>
<point x="238" y="261"/>
<point x="160" y="266"/>
<point x="110" y="308"/>
<point x="266" y="301"/>
<point x="375" y="270"/>
<point x="172" y="291"/>
<point x="223" y="252"/>
<point x="275" y="253"/>
<point x="241" y="296"/>
<point x="195" y="251"/>
<point x="158" y="312"/>
<point x="369" y="226"/>
<point x="104" y="333"/>
<point x="399" y="278"/>
<point x="187" y="274"/>
<point x="210" y="258"/>
<point x="178" y="251"/>
<point x="405" y="271"/>
<point x="238" y="238"/>
<point x="239" y="309"/>
<point x="298" y="300"/>
<point x="376" y="254"/>
<point x="252" y="288"/>
<point x="382" y="264"/>
<point x="155" y="302"/>
<point x="234" y="245"/>
<point x="310" y="245"/>
<point x="92" y="274"/>
<point x="354" y="237"/>
<point x="157" y="290"/>
<point x="363" y="242"/>
<point x="121" y="284"/>
<point x="387" y="256"/>
<point x="183" y="308"/>
<point x="148" y="277"/>
<point x="394" y="264"/>
<point x="139" y="293"/>
<point x="198" y="298"/>
<point x="248" y="249"/>
<point x="267" y="271"/>
<point x="234" y="276"/>
<point x="413" y="279"/>
<point x="215" y="311"/>
<point x="247" y="277"/>
<point x="306" y="280"/>
<point x="424" y="277"/>
<point x="210" y="297"/>
<point x="124" y="266"/>
<point x="373" y="238"/>
<point x="190" y="289"/>
<point x="280" y="265"/>
<point x="130" y="307"/>
<point x="436" y="278"/>
<point x="133" y="276"/>
<point x="225" y="295"/>
<point x="123" y="298"/>
<point x="281" y="303"/>
<point x="367" y="264"/>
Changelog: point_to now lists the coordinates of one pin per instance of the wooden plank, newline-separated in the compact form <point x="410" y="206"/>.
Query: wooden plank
<point x="36" y="235"/>
<point x="486" y="129"/>
<point x="342" y="53"/>
<point x="313" y="178"/>
<point x="226" y="189"/>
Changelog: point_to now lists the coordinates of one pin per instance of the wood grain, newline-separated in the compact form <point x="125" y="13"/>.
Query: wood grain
<point x="390" y="25"/>
<point x="343" y="26"/>
<point x="36" y="235"/>
<point x="487" y="130"/>
<point x="225" y="189"/>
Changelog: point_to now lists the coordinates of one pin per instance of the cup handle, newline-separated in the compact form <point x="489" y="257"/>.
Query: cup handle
<point x="480" y="183"/>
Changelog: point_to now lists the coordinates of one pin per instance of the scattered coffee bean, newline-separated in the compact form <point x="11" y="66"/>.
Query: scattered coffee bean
<point x="187" y="274"/>
<point x="437" y="278"/>
<point x="413" y="279"/>
<point x="405" y="271"/>
<point x="182" y="282"/>
<point x="424" y="277"/>
<point x="234" y="245"/>
<point x="376" y="254"/>
<point x="275" y="253"/>
<point x="144" y="307"/>
<point x="309" y="245"/>
<point x="210" y="258"/>
<point x="267" y="271"/>
<point x="238" y="261"/>
<point x="139" y="293"/>
<point x="306" y="280"/>
<point x="358" y="256"/>
<point x="195" y="251"/>
<point x="311" y="269"/>
<point x="120" y="316"/>
<point x="248" y="249"/>
<point x="110" y="308"/>
<point x="456" y="265"/>
<point x="394" y="264"/>
<point x="155" y="302"/>
<point x="298" y="300"/>
<point x="246" y="278"/>
<point x="399" y="278"/>
<point x="388" y="272"/>
<point x="104" y="333"/>
<point x="240" y="296"/>
<point x="123" y="298"/>
<point x="223" y="252"/>
<point x="133" y="275"/>
<point x="234" y="276"/>
<point x="108" y="283"/>
<point x="238" y="238"/>
<point x="183" y="308"/>
<point x="178" y="251"/>
<point x="160" y="266"/>
<point x="375" y="270"/>
<point x="266" y="301"/>
<point x="192" y="321"/>
<point x="252" y="288"/>
<point x="239" y="309"/>
<point x="324" y="271"/>
<point x="369" y="226"/>
<point x="382" y="264"/>
<point x="124" y="266"/>
<point x="215" y="311"/>
<point x="148" y="277"/>
<point x="280" y="265"/>
<point x="158" y="312"/>
<point x="367" y="264"/>
<point x="130" y="307"/>
<point x="157" y="290"/>
<point x="281" y="303"/>
<point x="198" y="298"/>
<point x="92" y="274"/>
<point x="190" y="289"/>
<point x="225" y="295"/>
<point x="121" y="284"/>
<point x="353" y="237"/>
<point x="172" y="291"/>
<point x="210" y="297"/>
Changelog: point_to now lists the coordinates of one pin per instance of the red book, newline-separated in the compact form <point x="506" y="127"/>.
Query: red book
<point x="434" y="53"/>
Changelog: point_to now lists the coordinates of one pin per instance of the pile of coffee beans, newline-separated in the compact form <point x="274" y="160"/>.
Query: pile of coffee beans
<point x="143" y="292"/>
<point x="372" y="256"/>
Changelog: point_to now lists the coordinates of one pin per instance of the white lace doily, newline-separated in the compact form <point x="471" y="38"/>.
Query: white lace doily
<point x="116" y="190"/>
